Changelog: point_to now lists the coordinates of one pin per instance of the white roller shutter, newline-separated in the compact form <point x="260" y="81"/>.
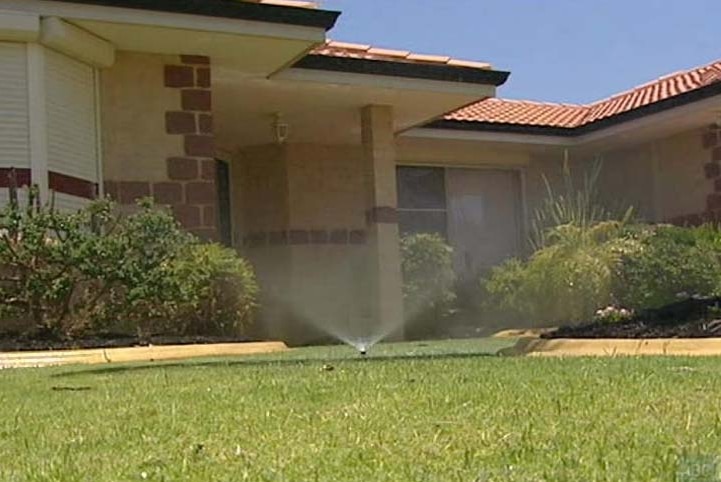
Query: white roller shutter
<point x="70" y="91"/>
<point x="71" y="122"/>
<point x="14" y="130"/>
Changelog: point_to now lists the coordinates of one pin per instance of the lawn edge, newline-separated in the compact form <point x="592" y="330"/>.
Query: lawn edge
<point x="149" y="353"/>
<point x="610" y="347"/>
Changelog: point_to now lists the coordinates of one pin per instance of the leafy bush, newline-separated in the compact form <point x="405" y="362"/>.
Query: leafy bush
<point x="69" y="273"/>
<point x="671" y="263"/>
<point x="578" y="246"/>
<point x="566" y="281"/>
<point x="428" y="277"/>
<point x="580" y="271"/>
<point x="218" y="288"/>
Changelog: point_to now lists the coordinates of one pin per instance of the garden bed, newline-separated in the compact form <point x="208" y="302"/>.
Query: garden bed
<point x="13" y="342"/>
<point x="691" y="318"/>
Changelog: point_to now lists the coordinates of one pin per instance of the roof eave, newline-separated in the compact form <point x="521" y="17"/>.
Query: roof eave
<point x="232" y="9"/>
<point x="440" y="72"/>
<point x="686" y="98"/>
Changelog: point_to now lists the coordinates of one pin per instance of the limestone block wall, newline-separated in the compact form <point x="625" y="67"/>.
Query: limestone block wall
<point x="299" y="215"/>
<point x="691" y="173"/>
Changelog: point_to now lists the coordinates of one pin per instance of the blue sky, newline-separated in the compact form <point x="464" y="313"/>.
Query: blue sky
<point x="557" y="50"/>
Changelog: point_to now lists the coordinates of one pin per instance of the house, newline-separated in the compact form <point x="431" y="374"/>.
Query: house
<point x="309" y="155"/>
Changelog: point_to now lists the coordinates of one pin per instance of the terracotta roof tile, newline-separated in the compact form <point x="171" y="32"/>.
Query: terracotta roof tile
<point x="361" y="51"/>
<point x="504" y="111"/>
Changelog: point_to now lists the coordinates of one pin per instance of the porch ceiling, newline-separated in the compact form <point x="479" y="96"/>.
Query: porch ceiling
<point x="325" y="112"/>
<point x="254" y="46"/>
<point x="257" y="55"/>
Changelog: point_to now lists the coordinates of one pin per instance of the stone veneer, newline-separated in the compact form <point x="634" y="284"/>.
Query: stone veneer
<point x="711" y="142"/>
<point x="190" y="188"/>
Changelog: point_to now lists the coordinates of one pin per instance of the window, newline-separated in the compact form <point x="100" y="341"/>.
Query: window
<point x="422" y="200"/>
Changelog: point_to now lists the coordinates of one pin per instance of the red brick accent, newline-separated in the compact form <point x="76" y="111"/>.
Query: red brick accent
<point x="209" y="218"/>
<point x="168" y="192"/>
<point x="207" y="169"/>
<point x="712" y="170"/>
<point x="180" y="123"/>
<point x="713" y="201"/>
<point x="205" y="123"/>
<point x="187" y="215"/>
<point x="298" y="236"/>
<point x="199" y="146"/>
<point x="182" y="168"/>
<point x="194" y="99"/>
<point x="278" y="238"/>
<point x="194" y="200"/>
<point x="72" y="185"/>
<point x="200" y="193"/>
<point x="255" y="239"/>
<point x="177" y="76"/>
<point x="357" y="236"/>
<point x="202" y="77"/>
<point x="130" y="191"/>
<point x="195" y="59"/>
<point x="319" y="237"/>
<point x="21" y="176"/>
<point x="709" y="139"/>
<point x="305" y="237"/>
<point x="339" y="236"/>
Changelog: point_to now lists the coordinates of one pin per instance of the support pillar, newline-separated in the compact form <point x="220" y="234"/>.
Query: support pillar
<point x="384" y="270"/>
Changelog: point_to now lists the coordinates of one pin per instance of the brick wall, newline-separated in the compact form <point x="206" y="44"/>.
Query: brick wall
<point x="187" y="183"/>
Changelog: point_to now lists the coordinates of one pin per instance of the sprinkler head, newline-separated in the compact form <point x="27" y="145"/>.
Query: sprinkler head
<point x="362" y="351"/>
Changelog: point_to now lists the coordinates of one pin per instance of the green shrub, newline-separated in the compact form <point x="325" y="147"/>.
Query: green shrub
<point x="65" y="274"/>
<point x="428" y="278"/>
<point x="564" y="282"/>
<point x="672" y="263"/>
<point x="218" y="289"/>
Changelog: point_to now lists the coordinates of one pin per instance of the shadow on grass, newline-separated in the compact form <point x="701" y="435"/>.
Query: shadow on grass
<point x="126" y="368"/>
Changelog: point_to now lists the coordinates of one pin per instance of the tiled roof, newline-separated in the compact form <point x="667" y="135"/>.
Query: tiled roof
<point x="367" y="52"/>
<point x="529" y="113"/>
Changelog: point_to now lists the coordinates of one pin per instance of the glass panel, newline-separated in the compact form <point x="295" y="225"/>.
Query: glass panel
<point x="413" y="222"/>
<point x="421" y="188"/>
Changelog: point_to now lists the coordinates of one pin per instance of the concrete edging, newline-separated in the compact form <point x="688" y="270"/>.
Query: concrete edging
<point x="609" y="347"/>
<point x="135" y="354"/>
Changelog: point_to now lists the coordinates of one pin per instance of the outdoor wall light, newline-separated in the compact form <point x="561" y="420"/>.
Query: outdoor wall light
<point x="280" y="128"/>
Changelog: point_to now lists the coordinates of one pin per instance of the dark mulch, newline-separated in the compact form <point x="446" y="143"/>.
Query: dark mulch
<point x="13" y="342"/>
<point x="691" y="318"/>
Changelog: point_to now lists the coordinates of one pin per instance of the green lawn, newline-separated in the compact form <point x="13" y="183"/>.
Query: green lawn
<point x="436" y="412"/>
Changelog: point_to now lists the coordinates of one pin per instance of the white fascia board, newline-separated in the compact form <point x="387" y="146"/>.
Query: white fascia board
<point x="74" y="11"/>
<point x="76" y="43"/>
<point x="476" y="91"/>
<point x="485" y="136"/>
<point x="19" y="26"/>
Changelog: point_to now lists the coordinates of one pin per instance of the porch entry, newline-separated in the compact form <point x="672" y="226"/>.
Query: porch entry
<point x="477" y="210"/>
